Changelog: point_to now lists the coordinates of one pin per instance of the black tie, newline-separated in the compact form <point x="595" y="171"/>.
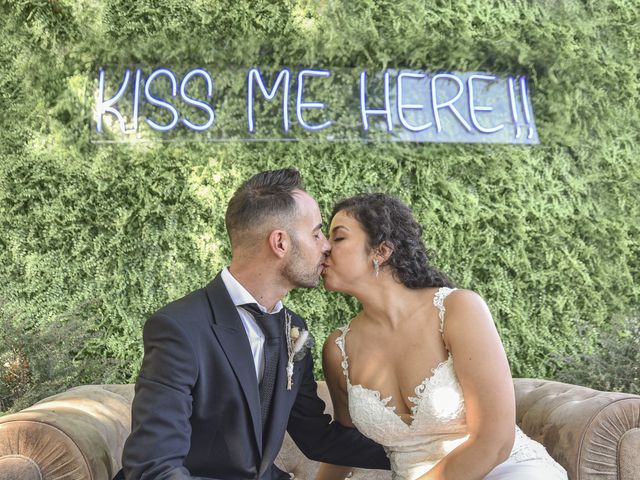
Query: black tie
<point x="271" y="325"/>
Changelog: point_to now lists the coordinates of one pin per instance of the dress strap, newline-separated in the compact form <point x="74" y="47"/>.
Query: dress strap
<point x="345" y="359"/>
<point x="438" y="301"/>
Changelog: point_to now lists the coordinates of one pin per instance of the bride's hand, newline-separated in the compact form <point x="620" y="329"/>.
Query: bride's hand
<point x="333" y="472"/>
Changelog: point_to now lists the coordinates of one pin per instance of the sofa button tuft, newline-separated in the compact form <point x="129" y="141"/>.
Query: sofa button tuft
<point x="19" y="467"/>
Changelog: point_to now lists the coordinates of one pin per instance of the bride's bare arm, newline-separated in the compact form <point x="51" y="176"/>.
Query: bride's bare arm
<point x="332" y="367"/>
<point x="481" y="365"/>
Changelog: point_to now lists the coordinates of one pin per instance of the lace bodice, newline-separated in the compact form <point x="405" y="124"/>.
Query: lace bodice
<point x="438" y="421"/>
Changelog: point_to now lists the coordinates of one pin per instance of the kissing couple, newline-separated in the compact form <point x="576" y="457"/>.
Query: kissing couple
<point x="419" y="379"/>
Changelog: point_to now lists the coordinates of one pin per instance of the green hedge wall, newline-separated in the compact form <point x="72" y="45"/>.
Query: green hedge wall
<point x="95" y="237"/>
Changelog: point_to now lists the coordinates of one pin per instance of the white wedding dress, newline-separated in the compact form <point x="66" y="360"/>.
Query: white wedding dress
<point x="438" y="424"/>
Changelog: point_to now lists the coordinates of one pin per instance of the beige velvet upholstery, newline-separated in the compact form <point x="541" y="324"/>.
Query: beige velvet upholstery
<point x="19" y="466"/>
<point x="79" y="434"/>
<point x="593" y="434"/>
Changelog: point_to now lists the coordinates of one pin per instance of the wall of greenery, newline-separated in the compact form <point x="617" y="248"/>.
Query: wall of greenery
<point x="95" y="237"/>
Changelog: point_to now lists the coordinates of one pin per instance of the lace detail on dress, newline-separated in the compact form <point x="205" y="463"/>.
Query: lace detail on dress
<point x="438" y="301"/>
<point x="525" y="449"/>
<point x="345" y="358"/>
<point x="422" y="389"/>
<point x="438" y="405"/>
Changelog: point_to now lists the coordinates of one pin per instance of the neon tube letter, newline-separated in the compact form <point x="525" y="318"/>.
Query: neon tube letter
<point x="300" y="104"/>
<point x="197" y="103"/>
<point x="103" y="106"/>
<point x="254" y="73"/>
<point x="449" y="103"/>
<point x="473" y="108"/>
<point x="161" y="103"/>
<point x="409" y="106"/>
<point x="364" y="112"/>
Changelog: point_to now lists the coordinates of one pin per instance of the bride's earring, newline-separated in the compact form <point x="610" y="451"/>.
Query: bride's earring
<point x="376" y="266"/>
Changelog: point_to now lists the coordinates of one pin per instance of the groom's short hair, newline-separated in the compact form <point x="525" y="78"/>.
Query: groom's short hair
<point x="265" y="200"/>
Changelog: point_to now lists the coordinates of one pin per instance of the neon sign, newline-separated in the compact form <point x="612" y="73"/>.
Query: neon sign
<point x="311" y="104"/>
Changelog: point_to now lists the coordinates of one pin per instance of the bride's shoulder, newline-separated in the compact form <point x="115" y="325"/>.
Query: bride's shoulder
<point x="334" y="345"/>
<point x="461" y="298"/>
<point x="333" y="337"/>
<point x="334" y="358"/>
<point x="341" y="332"/>
<point x="447" y="296"/>
<point x="461" y="306"/>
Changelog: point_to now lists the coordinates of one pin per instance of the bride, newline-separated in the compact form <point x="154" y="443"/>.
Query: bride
<point x="421" y="369"/>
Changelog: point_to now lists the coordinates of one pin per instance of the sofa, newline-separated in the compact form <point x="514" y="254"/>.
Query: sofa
<point x="79" y="434"/>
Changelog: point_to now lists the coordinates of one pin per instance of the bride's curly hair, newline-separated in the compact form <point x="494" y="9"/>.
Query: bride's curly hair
<point x="386" y="219"/>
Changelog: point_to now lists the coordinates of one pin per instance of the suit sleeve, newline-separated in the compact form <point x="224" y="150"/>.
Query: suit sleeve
<point x="321" y="439"/>
<point x="160" y="429"/>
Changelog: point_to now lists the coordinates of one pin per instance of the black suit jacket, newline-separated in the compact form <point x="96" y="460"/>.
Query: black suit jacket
<point x="196" y="410"/>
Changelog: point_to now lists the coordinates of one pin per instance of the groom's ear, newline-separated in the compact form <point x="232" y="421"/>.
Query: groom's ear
<point x="279" y="242"/>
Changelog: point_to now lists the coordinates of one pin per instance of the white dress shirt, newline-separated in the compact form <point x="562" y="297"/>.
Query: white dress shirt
<point x="239" y="296"/>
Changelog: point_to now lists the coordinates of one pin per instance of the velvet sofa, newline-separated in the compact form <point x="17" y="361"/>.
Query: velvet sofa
<point x="79" y="434"/>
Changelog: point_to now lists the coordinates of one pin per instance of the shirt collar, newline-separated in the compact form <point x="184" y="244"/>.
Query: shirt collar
<point x="239" y="295"/>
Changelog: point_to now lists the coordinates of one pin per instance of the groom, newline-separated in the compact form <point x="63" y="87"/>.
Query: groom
<point x="212" y="400"/>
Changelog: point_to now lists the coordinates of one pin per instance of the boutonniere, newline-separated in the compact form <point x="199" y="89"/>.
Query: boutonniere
<point x="299" y="342"/>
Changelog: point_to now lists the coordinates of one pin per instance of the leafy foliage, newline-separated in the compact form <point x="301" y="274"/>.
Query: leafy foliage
<point x="107" y="233"/>
<point x="613" y="366"/>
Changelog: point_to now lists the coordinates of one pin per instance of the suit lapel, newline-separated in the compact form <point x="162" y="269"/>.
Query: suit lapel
<point x="229" y="330"/>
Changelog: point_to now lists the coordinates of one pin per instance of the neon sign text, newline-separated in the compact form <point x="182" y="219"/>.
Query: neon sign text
<point x="310" y="103"/>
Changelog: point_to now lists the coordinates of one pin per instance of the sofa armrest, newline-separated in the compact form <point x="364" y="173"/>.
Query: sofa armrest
<point x="77" y="434"/>
<point x="593" y="434"/>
